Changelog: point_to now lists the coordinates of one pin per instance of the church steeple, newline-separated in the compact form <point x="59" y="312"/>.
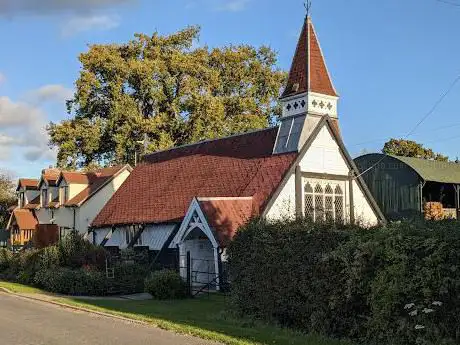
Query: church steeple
<point x="309" y="94"/>
<point x="309" y="87"/>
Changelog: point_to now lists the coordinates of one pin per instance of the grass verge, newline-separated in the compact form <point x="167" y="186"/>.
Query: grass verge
<point x="205" y="317"/>
<point x="20" y="288"/>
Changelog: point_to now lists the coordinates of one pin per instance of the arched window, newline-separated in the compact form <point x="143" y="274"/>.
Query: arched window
<point x="324" y="202"/>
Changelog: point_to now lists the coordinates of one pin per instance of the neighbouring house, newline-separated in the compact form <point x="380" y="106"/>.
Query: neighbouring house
<point x="194" y="198"/>
<point x="61" y="201"/>
<point x="403" y="186"/>
<point x="21" y="226"/>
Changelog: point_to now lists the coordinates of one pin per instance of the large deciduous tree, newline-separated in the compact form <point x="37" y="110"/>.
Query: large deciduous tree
<point x="409" y="148"/>
<point x="165" y="90"/>
<point x="7" y="198"/>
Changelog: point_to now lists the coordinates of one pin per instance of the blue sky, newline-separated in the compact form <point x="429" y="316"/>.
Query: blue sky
<point x="390" y="60"/>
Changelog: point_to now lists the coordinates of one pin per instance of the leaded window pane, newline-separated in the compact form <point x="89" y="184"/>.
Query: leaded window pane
<point x="329" y="208"/>
<point x="339" y="208"/>
<point x="309" y="207"/>
<point x="338" y="190"/>
<point x="319" y="207"/>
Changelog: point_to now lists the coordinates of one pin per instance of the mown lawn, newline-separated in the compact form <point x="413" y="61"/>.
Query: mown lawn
<point x="205" y="317"/>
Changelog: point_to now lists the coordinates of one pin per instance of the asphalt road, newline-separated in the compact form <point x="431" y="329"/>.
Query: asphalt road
<point x="26" y="322"/>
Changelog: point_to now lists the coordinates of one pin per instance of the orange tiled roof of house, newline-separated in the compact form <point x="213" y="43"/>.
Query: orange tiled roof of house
<point x="25" y="219"/>
<point x="28" y="183"/>
<point x="96" y="179"/>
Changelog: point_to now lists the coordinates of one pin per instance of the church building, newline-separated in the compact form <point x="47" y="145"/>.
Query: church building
<point x="194" y="198"/>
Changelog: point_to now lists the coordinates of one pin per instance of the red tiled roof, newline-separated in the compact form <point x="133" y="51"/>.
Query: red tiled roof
<point x="226" y="215"/>
<point x="25" y="219"/>
<point x="75" y="177"/>
<point x="308" y="68"/>
<point x="162" y="187"/>
<point x="50" y="175"/>
<point x="96" y="180"/>
<point x="28" y="183"/>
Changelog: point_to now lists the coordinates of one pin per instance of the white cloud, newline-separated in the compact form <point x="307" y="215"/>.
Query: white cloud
<point x="22" y="129"/>
<point x="233" y="5"/>
<point x="2" y="78"/>
<point x="87" y="23"/>
<point x="45" y="7"/>
<point x="50" y="93"/>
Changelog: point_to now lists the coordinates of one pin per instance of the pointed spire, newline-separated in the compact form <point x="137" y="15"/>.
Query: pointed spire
<point x="308" y="70"/>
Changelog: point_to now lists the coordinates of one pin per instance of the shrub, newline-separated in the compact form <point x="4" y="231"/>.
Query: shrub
<point x="165" y="284"/>
<point x="72" y="281"/>
<point x="49" y="257"/>
<point x="128" y="279"/>
<point x="28" y="264"/>
<point x="6" y="257"/>
<point x="76" y="252"/>
<point x="351" y="282"/>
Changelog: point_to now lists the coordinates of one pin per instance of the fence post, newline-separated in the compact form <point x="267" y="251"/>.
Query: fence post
<point x="189" y="275"/>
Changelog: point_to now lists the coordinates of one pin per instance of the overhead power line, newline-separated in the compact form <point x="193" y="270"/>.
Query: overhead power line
<point x="452" y="3"/>
<point x="399" y="135"/>
<point x="435" y="106"/>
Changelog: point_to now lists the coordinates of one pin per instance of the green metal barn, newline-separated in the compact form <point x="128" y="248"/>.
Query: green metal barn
<point x="401" y="185"/>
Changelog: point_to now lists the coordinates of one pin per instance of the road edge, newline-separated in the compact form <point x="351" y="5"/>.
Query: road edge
<point x="82" y="309"/>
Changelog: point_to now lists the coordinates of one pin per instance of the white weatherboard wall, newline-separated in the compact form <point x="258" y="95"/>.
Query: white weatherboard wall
<point x="154" y="236"/>
<point x="323" y="156"/>
<point x="118" y="238"/>
<point x="100" y="235"/>
<point x="91" y="208"/>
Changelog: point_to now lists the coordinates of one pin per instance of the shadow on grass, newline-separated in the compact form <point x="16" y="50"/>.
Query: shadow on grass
<point x="206" y="317"/>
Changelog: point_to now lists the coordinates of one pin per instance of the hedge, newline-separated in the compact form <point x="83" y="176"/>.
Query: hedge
<point x="395" y="285"/>
<point x="75" y="267"/>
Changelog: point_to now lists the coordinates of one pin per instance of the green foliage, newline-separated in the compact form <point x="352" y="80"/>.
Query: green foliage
<point x="409" y="148"/>
<point x="162" y="89"/>
<point x="129" y="278"/>
<point x="72" y="281"/>
<point x="350" y="282"/>
<point x="6" y="257"/>
<point x="7" y="198"/>
<point x="165" y="284"/>
<point x="75" y="252"/>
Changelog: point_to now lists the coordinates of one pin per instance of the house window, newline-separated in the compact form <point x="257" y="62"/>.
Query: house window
<point x="44" y="197"/>
<point x="22" y="200"/>
<point x="324" y="201"/>
<point x="64" y="194"/>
